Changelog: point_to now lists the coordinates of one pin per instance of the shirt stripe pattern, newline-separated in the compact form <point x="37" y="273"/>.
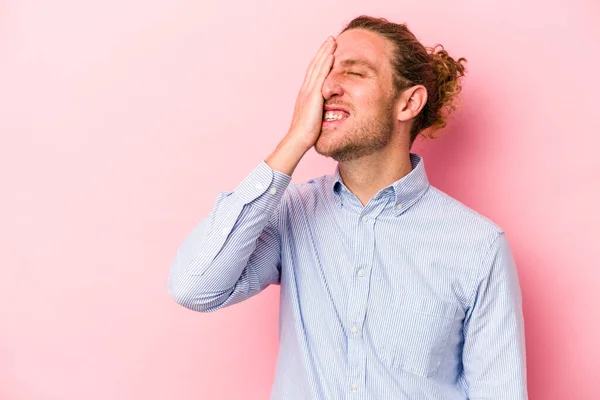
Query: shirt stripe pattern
<point x="412" y="296"/>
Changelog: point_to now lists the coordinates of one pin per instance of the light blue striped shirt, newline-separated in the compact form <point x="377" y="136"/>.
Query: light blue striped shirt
<point x="413" y="296"/>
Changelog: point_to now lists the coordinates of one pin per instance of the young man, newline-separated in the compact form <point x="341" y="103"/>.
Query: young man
<point x="390" y="288"/>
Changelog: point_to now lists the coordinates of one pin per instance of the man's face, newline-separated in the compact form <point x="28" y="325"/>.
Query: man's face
<point x="360" y="82"/>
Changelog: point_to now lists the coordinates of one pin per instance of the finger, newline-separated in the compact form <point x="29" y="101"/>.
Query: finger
<point x="327" y="50"/>
<point x="322" y="74"/>
<point x="317" y="58"/>
<point x="319" y="54"/>
<point x="323" y="64"/>
<point x="313" y="63"/>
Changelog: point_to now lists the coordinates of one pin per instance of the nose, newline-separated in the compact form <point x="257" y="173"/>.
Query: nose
<point x="331" y="86"/>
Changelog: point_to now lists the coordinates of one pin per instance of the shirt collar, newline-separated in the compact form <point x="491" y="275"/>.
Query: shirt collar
<point x="407" y="190"/>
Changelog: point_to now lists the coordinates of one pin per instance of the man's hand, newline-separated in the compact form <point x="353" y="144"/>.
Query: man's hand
<point x="308" y="113"/>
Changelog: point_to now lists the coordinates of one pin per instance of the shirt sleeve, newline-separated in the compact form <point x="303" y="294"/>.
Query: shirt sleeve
<point x="493" y="358"/>
<point x="234" y="252"/>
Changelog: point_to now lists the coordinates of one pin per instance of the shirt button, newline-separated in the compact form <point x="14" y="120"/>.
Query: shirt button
<point x="259" y="186"/>
<point x="354" y="387"/>
<point x="354" y="330"/>
<point x="273" y="190"/>
<point x="398" y="206"/>
<point x="361" y="273"/>
<point x="225" y="231"/>
<point x="365" y="218"/>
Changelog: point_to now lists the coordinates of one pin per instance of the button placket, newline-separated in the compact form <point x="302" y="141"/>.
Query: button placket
<point x="363" y="254"/>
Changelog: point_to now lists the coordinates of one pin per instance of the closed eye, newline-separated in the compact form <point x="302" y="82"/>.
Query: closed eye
<point x="354" y="73"/>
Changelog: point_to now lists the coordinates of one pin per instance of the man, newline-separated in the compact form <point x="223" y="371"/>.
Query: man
<point x="390" y="288"/>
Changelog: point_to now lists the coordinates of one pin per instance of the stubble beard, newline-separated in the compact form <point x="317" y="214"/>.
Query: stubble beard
<point x="364" y="137"/>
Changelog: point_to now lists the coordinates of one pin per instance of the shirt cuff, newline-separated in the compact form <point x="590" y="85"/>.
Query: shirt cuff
<point x="263" y="187"/>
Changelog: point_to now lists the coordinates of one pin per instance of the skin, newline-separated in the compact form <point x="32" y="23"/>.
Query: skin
<point x="372" y="145"/>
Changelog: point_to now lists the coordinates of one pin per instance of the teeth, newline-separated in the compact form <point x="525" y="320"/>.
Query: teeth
<point x="333" y="115"/>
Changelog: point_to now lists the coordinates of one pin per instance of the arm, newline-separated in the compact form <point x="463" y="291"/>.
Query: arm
<point x="494" y="349"/>
<point x="234" y="253"/>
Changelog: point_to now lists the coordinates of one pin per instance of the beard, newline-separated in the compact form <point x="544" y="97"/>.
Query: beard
<point x="362" y="137"/>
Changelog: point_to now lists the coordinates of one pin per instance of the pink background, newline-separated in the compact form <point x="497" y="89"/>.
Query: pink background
<point x="122" y="120"/>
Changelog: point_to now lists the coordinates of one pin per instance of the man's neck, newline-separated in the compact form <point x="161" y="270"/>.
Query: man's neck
<point x="367" y="175"/>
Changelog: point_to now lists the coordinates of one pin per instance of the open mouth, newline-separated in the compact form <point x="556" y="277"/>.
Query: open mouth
<point x="332" y="117"/>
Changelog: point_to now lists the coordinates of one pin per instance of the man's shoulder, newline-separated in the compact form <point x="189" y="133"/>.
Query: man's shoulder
<point x="458" y="215"/>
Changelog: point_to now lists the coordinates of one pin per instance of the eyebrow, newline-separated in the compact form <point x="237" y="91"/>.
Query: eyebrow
<point x="362" y="63"/>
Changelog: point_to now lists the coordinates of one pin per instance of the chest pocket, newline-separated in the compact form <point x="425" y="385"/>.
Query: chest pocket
<point x="418" y="331"/>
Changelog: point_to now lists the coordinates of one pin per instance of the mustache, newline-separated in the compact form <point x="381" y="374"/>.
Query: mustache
<point x="338" y="104"/>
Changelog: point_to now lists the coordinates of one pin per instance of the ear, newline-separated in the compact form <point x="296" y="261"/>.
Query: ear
<point x="411" y="102"/>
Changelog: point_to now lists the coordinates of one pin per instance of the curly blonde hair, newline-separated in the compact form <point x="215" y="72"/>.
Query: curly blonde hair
<point x="415" y="64"/>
